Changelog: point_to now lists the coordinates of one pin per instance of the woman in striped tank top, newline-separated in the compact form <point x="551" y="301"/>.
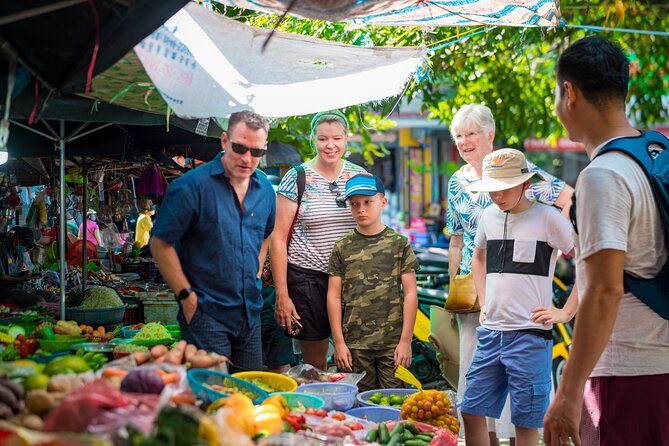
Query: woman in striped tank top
<point x="300" y="269"/>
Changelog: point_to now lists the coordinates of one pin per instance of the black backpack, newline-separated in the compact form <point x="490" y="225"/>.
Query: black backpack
<point x="655" y="163"/>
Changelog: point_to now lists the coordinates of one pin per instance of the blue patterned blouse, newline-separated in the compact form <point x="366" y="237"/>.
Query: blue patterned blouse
<point x="465" y="208"/>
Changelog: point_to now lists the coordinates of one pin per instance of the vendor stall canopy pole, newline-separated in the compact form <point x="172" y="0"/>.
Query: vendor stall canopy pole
<point x="61" y="140"/>
<point x="61" y="218"/>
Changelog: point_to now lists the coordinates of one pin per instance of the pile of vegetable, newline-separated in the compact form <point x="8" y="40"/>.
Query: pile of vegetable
<point x="401" y="434"/>
<point x="391" y="400"/>
<point x="181" y="353"/>
<point x="130" y="348"/>
<point x="152" y="331"/>
<point x="94" y="298"/>
<point x="430" y="407"/>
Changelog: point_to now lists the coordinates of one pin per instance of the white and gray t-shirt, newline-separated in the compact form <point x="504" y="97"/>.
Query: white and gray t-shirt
<point x="616" y="210"/>
<point x="320" y="222"/>
<point x="520" y="263"/>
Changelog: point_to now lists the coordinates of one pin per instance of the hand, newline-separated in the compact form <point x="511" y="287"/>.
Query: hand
<point x="403" y="354"/>
<point x="547" y="316"/>
<point x="482" y="315"/>
<point x="284" y="310"/>
<point x="189" y="306"/>
<point x="342" y="357"/>
<point x="562" y="420"/>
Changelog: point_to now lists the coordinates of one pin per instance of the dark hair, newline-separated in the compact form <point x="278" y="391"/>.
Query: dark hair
<point x="251" y="119"/>
<point x="25" y="235"/>
<point x="596" y="66"/>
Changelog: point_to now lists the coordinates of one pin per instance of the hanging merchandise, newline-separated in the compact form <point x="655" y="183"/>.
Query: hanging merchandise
<point x="151" y="182"/>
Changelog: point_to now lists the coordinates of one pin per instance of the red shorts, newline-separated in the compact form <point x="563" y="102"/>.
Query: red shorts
<point x="626" y="410"/>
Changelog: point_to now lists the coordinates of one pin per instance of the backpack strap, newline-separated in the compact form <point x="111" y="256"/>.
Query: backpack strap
<point x="301" y="186"/>
<point x="301" y="183"/>
<point x="636" y="147"/>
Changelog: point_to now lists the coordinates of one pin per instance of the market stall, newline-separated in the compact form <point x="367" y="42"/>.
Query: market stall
<point x="82" y="385"/>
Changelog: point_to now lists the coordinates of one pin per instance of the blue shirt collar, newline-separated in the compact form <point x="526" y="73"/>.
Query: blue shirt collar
<point x="216" y="168"/>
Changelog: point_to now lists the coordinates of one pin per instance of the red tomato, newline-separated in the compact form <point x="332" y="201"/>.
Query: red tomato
<point x="321" y="413"/>
<point x="355" y="426"/>
<point x="338" y="416"/>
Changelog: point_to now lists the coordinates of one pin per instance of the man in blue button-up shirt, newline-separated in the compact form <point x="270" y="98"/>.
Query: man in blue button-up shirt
<point x="212" y="229"/>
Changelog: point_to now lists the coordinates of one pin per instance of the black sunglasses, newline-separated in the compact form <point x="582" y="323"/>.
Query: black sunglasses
<point x="242" y="149"/>
<point x="339" y="199"/>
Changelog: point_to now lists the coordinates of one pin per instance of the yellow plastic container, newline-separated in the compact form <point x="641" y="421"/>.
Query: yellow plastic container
<point x="278" y="382"/>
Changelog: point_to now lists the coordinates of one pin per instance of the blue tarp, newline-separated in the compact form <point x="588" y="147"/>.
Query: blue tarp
<point x="417" y="12"/>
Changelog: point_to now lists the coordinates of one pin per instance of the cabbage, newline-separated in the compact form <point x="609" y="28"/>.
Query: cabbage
<point x="99" y="297"/>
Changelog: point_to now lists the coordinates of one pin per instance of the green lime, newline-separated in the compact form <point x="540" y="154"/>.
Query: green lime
<point x="396" y="400"/>
<point x="36" y="381"/>
<point x="385" y="401"/>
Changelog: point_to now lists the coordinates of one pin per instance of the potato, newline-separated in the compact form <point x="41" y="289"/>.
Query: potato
<point x="39" y="402"/>
<point x="59" y="385"/>
<point x="32" y="422"/>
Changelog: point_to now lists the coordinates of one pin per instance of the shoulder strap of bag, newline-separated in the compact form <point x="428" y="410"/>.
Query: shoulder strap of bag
<point x="301" y="185"/>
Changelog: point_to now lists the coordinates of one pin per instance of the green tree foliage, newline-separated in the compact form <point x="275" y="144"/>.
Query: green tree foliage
<point x="512" y="70"/>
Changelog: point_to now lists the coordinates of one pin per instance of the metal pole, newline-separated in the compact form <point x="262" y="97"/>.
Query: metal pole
<point x="61" y="233"/>
<point x="84" y="254"/>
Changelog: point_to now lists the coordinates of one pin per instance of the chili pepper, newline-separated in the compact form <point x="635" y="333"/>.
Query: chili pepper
<point x="293" y="420"/>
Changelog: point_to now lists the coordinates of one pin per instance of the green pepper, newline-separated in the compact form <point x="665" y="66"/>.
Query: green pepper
<point x="397" y="429"/>
<point x="384" y="435"/>
<point x="411" y="427"/>
<point x="395" y="439"/>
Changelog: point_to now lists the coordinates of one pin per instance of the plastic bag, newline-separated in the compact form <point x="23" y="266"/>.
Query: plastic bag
<point x="306" y="373"/>
<point x="82" y="405"/>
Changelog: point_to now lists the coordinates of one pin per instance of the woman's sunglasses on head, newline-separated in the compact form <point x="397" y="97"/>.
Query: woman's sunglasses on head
<point x="241" y="149"/>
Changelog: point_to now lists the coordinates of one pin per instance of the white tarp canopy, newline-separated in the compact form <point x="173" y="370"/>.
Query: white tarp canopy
<point x="205" y="65"/>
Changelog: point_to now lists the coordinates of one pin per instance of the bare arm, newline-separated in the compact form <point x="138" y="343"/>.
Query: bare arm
<point x="563" y="201"/>
<point x="479" y="272"/>
<point x="455" y="254"/>
<point x="403" y="354"/>
<point x="278" y="259"/>
<point x="262" y="256"/>
<point x="342" y="354"/>
<point x="170" y="268"/>
<point x="597" y="315"/>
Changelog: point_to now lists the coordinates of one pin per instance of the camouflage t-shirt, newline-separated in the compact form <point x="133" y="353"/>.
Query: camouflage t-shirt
<point x="371" y="269"/>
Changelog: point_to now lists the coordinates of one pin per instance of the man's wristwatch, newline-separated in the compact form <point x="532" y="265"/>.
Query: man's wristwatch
<point x="183" y="294"/>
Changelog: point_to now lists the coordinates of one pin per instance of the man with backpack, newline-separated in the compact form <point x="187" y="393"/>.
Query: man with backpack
<point x="615" y="386"/>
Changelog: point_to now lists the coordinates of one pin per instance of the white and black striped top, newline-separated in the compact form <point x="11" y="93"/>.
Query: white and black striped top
<point x="320" y="221"/>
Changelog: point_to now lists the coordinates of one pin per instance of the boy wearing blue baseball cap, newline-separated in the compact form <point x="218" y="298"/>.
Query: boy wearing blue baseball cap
<point x="370" y="268"/>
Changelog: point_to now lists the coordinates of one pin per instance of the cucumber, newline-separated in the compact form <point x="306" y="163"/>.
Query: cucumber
<point x="395" y="439"/>
<point x="423" y="437"/>
<point x="371" y="435"/>
<point x="411" y="428"/>
<point x="415" y="442"/>
<point x="407" y="435"/>
<point x="397" y="429"/>
<point x="384" y="435"/>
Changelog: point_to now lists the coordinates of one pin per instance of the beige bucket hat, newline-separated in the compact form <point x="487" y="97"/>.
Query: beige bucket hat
<point x="503" y="169"/>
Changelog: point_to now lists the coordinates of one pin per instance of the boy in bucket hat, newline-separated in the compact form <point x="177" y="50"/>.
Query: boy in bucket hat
<point x="371" y="322"/>
<point x="514" y="260"/>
